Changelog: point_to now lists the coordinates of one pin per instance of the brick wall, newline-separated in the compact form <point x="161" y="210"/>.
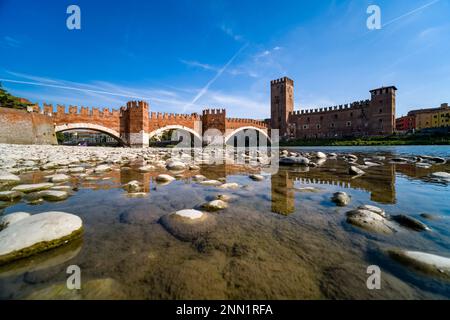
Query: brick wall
<point x="22" y="127"/>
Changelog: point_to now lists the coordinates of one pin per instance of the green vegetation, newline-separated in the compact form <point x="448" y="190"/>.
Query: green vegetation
<point x="394" y="140"/>
<point x="9" y="101"/>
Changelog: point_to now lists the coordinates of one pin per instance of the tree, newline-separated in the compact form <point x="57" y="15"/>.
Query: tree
<point x="7" y="100"/>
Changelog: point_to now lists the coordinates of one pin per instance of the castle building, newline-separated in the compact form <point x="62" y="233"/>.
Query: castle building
<point x="405" y="123"/>
<point x="373" y="117"/>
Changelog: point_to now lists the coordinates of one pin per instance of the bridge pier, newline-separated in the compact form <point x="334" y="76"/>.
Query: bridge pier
<point x="139" y="140"/>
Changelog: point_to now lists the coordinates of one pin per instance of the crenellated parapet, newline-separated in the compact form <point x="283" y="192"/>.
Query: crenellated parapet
<point x="350" y="106"/>
<point x="61" y="111"/>
<point x="214" y="112"/>
<point x="174" y="116"/>
<point x="234" y="123"/>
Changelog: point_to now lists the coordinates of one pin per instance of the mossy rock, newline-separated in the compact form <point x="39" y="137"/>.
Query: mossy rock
<point x="38" y="233"/>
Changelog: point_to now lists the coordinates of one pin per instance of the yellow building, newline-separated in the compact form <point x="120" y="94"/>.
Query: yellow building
<point x="432" y="118"/>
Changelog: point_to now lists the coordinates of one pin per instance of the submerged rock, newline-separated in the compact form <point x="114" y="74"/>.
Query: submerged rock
<point x="354" y="170"/>
<point x="341" y="199"/>
<point x="37" y="233"/>
<point x="256" y="177"/>
<point x="164" y="178"/>
<point x="370" y="221"/>
<point x="289" y="161"/>
<point x="189" y="224"/>
<point x="210" y="182"/>
<point x="133" y="186"/>
<point x="230" y="185"/>
<point x="411" y="223"/>
<point x="32" y="187"/>
<point x="425" y="262"/>
<point x="215" y="205"/>
<point x="441" y="175"/>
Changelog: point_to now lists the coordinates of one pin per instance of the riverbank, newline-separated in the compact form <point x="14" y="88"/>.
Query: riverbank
<point x="374" y="141"/>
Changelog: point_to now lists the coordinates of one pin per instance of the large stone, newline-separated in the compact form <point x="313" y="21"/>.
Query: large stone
<point x="102" y="168"/>
<point x="341" y="199"/>
<point x="370" y="221"/>
<point x="374" y="209"/>
<point x="230" y="185"/>
<point x="10" y="195"/>
<point x="175" y="165"/>
<point x="411" y="223"/>
<point x="56" y="178"/>
<point x="32" y="187"/>
<point x="12" y="218"/>
<point x="215" y="205"/>
<point x="6" y="177"/>
<point x="425" y="262"/>
<point x="321" y="155"/>
<point x="37" y="233"/>
<point x="53" y="195"/>
<point x="189" y="224"/>
<point x="164" y="178"/>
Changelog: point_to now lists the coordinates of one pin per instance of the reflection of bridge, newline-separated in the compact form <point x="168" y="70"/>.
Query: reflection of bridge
<point x="133" y="125"/>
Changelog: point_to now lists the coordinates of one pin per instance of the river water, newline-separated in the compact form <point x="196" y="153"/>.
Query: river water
<point x="280" y="238"/>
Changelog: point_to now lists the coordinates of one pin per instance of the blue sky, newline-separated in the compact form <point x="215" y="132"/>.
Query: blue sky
<point x="183" y="56"/>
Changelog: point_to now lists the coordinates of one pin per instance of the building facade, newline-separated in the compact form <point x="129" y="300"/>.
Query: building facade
<point x="406" y="123"/>
<point x="431" y="117"/>
<point x="373" y="117"/>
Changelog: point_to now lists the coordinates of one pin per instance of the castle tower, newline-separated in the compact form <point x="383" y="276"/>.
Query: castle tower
<point x="382" y="111"/>
<point x="281" y="104"/>
<point x="135" y="123"/>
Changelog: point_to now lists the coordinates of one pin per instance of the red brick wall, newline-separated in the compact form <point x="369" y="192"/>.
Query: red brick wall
<point x="22" y="127"/>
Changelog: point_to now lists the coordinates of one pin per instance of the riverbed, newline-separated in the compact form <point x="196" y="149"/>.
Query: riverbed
<point x="280" y="236"/>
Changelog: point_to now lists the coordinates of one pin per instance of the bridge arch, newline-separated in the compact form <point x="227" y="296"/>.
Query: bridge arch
<point x="232" y="133"/>
<point x="172" y="127"/>
<point x="89" y="126"/>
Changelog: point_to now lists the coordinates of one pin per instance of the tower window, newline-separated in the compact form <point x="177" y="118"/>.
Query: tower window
<point x="381" y="110"/>
<point x="335" y="116"/>
<point x="349" y="123"/>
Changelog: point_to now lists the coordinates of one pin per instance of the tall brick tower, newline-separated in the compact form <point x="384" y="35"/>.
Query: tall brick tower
<point x="382" y="111"/>
<point x="134" y="123"/>
<point x="281" y="104"/>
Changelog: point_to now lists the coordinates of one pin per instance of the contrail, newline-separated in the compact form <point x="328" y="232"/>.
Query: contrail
<point x="410" y="13"/>
<point x="210" y="82"/>
<point x="73" y="88"/>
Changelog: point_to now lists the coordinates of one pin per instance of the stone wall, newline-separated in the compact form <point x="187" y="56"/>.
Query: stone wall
<point x="22" y="127"/>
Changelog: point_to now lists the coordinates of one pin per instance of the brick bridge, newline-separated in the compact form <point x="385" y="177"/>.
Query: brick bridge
<point x="134" y="125"/>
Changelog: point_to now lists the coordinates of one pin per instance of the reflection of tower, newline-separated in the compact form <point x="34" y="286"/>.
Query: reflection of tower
<point x="283" y="199"/>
